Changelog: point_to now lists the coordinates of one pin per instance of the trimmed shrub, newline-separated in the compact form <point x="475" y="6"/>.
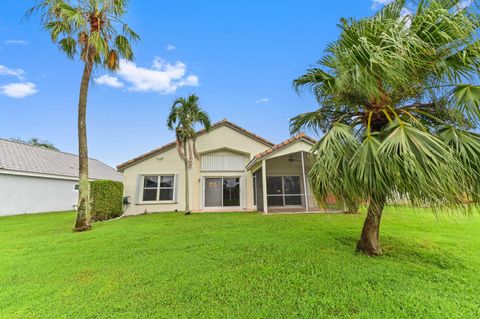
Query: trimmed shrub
<point x="106" y="199"/>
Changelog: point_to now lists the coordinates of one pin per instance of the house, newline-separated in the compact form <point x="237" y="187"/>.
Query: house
<point x="237" y="171"/>
<point x="34" y="179"/>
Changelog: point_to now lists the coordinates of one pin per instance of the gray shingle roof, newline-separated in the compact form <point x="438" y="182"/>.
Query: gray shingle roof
<point x="20" y="157"/>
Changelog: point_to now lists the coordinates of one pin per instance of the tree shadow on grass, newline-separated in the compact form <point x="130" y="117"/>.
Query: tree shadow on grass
<point x="420" y="252"/>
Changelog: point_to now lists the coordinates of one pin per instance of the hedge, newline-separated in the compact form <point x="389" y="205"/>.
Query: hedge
<point x="105" y="199"/>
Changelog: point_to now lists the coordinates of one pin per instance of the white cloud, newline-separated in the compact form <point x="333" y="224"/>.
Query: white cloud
<point x="18" y="73"/>
<point x="378" y="3"/>
<point x="262" y="100"/>
<point x="170" y="47"/>
<point x="16" y="42"/>
<point x="19" y="90"/>
<point x="109" y="81"/>
<point x="463" y="4"/>
<point x="163" y="77"/>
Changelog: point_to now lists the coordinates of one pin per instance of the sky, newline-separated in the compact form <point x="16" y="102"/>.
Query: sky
<point x="239" y="57"/>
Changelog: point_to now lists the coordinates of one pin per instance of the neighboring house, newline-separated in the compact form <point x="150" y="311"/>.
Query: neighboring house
<point x="237" y="171"/>
<point x="34" y="179"/>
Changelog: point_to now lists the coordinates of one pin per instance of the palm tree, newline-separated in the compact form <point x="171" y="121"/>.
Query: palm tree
<point x="184" y="115"/>
<point x="397" y="105"/>
<point x="87" y="29"/>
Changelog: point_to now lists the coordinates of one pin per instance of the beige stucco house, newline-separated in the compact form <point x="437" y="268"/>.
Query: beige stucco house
<point x="237" y="171"/>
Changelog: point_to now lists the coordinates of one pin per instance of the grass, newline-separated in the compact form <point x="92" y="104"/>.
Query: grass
<point x="239" y="265"/>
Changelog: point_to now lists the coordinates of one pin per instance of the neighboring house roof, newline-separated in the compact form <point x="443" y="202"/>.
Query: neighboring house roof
<point x="224" y="122"/>
<point x="29" y="159"/>
<point x="299" y="137"/>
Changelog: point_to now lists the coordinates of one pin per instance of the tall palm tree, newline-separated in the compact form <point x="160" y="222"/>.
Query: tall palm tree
<point x="87" y="29"/>
<point x="183" y="117"/>
<point x="397" y="105"/>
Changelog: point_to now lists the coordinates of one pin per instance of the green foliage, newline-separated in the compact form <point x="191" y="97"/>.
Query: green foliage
<point x="90" y="28"/>
<point x="106" y="199"/>
<point x="397" y="98"/>
<point x="184" y="115"/>
<point x="35" y="141"/>
<point x="239" y="265"/>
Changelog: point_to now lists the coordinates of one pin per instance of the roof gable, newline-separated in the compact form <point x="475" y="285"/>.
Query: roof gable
<point x="223" y="123"/>
<point x="281" y="146"/>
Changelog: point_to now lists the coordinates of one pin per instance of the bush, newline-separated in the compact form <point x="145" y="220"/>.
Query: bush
<point x="105" y="199"/>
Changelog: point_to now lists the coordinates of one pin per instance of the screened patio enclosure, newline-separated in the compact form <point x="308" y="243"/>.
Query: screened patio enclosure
<point x="280" y="179"/>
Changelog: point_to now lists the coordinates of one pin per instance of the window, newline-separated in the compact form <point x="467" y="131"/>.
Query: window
<point x="76" y="187"/>
<point x="158" y="188"/>
<point x="284" y="191"/>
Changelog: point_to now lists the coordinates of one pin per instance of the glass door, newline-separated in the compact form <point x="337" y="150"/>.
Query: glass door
<point x="213" y="192"/>
<point x="222" y="192"/>
<point x="231" y="192"/>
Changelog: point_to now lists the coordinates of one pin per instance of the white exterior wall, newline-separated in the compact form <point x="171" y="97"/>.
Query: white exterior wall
<point x="26" y="194"/>
<point x="222" y="141"/>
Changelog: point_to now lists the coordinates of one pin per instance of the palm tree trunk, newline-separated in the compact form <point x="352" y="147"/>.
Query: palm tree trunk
<point x="187" y="197"/>
<point x="368" y="242"/>
<point x="82" y="222"/>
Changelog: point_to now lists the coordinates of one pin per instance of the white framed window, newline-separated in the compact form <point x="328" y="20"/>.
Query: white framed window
<point x="158" y="188"/>
<point x="76" y="187"/>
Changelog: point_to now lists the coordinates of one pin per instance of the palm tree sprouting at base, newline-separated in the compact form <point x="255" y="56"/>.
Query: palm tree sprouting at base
<point x="184" y="115"/>
<point x="397" y="105"/>
<point x="87" y="29"/>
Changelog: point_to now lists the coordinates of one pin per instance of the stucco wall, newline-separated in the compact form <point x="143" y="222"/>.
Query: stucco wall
<point x="168" y="162"/>
<point x="24" y="194"/>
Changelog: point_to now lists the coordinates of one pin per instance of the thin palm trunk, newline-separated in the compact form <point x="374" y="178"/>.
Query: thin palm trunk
<point x="187" y="199"/>
<point x="369" y="243"/>
<point x="82" y="222"/>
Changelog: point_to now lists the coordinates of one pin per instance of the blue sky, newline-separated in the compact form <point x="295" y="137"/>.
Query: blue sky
<point x="240" y="57"/>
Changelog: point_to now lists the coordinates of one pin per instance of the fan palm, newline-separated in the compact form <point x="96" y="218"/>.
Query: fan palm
<point x="87" y="29"/>
<point x="183" y="117"/>
<point x="397" y="105"/>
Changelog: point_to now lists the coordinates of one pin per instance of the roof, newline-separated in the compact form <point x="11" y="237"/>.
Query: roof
<point x="29" y="159"/>
<point x="223" y="122"/>
<point x="299" y="137"/>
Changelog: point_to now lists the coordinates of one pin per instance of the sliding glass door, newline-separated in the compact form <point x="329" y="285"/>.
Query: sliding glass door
<point x="284" y="191"/>
<point x="222" y="192"/>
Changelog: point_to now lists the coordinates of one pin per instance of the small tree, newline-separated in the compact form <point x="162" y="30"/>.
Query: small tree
<point x="87" y="29"/>
<point x="35" y="141"/>
<point x="183" y="117"/>
<point x="397" y="101"/>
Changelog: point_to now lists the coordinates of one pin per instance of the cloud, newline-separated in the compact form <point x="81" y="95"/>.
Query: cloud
<point x="262" y="100"/>
<point x="376" y="4"/>
<point x="19" y="90"/>
<point x="379" y="3"/>
<point x="18" y="73"/>
<point x="170" y="47"/>
<point x="109" y="81"/>
<point x="16" y="42"/>
<point x="163" y="77"/>
<point x="463" y="4"/>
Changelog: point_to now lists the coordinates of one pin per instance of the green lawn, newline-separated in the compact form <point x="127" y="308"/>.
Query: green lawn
<point x="239" y="265"/>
